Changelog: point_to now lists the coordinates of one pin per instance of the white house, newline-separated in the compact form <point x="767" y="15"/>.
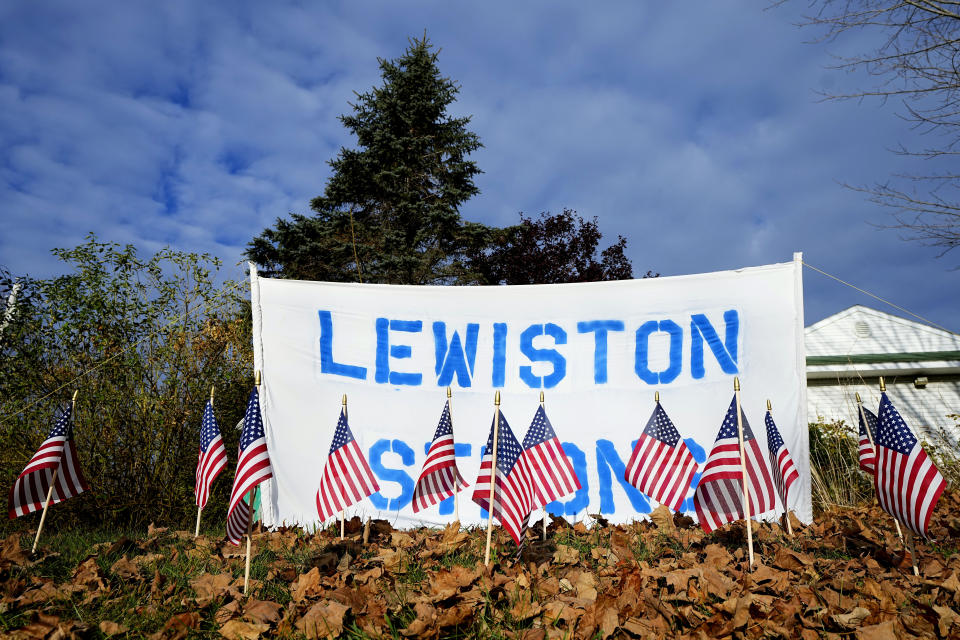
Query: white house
<point x="849" y="351"/>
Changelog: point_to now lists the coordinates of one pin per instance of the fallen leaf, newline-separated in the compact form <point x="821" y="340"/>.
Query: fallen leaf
<point x="883" y="631"/>
<point x="946" y="617"/>
<point x="566" y="555"/>
<point x="323" y="620"/>
<point x="89" y="577"/>
<point x="125" y="569"/>
<point x="110" y="628"/>
<point x="240" y="630"/>
<point x="209" y="587"/>
<point x="852" y="619"/>
<point x="663" y="519"/>
<point x="308" y="586"/>
<point x="261" y="612"/>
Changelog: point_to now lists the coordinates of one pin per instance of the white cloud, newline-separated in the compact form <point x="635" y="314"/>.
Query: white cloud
<point x="695" y="134"/>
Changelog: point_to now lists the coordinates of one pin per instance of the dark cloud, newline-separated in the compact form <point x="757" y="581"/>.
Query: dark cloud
<point x="698" y="135"/>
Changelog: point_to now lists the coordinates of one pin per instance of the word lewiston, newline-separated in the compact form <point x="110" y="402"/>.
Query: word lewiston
<point x="455" y="352"/>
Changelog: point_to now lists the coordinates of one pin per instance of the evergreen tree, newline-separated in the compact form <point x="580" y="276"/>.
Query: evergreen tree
<point x="390" y="211"/>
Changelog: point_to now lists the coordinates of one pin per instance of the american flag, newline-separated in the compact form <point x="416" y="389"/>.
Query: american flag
<point x="868" y="453"/>
<point x="908" y="483"/>
<point x="56" y="453"/>
<point x="440" y="473"/>
<point x="347" y="478"/>
<point x="551" y="474"/>
<point x="253" y="467"/>
<point x="784" y="471"/>
<point x="512" y="497"/>
<point x="213" y="455"/>
<point x="661" y="466"/>
<point x="719" y="496"/>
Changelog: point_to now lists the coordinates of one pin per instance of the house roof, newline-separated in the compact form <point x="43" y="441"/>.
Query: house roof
<point x="860" y="341"/>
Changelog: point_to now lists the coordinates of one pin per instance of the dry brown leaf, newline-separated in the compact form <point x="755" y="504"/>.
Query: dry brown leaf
<point x="210" y="586"/>
<point x="11" y="553"/>
<point x="323" y="620"/>
<point x="717" y="556"/>
<point x="946" y="618"/>
<point x="790" y="560"/>
<point x="586" y="585"/>
<point x="392" y="559"/>
<point x="89" y="577"/>
<point x="608" y="622"/>
<point x="566" y="555"/>
<point x="663" y="519"/>
<point x="308" y="586"/>
<point x="125" y="569"/>
<point x="447" y="583"/>
<point x="886" y="630"/>
<point x="852" y="619"/>
<point x="525" y="608"/>
<point x="46" y="592"/>
<point x="951" y="583"/>
<point x="240" y="630"/>
<point x="178" y="627"/>
<point x="226" y="612"/>
<point x="111" y="628"/>
<point x="426" y="616"/>
<point x="457" y="615"/>
<point x="261" y="612"/>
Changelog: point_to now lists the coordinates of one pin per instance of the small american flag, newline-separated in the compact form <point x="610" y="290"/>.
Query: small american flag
<point x="908" y="483"/>
<point x="253" y="467"/>
<point x="440" y="474"/>
<point x="661" y="466"/>
<point x="868" y="453"/>
<point x="213" y="455"/>
<point x="784" y="471"/>
<point x="347" y="478"/>
<point x="719" y="496"/>
<point x="29" y="492"/>
<point x="512" y="497"/>
<point x="551" y="474"/>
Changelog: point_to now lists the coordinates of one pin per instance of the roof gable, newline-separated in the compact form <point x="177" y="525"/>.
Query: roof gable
<point x="862" y="330"/>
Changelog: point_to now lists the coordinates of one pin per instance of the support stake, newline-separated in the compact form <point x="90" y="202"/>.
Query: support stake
<point x="743" y="469"/>
<point x="493" y="476"/>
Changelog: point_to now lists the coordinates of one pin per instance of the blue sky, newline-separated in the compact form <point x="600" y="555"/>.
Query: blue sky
<point x="695" y="132"/>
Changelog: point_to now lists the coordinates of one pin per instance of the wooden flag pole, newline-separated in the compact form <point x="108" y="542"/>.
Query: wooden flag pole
<point x="908" y="543"/>
<point x="743" y="469"/>
<point x="199" y="509"/>
<point x="342" y="514"/>
<point x="544" y="506"/>
<point x="246" y="570"/>
<point x="53" y="483"/>
<point x="493" y="476"/>
<point x="456" y="476"/>
<point x="786" y="510"/>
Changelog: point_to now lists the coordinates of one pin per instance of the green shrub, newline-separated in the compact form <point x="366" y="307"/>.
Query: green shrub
<point x="835" y="475"/>
<point x="143" y="340"/>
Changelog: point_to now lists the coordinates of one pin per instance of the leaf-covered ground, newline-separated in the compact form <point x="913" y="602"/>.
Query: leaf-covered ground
<point x="845" y="576"/>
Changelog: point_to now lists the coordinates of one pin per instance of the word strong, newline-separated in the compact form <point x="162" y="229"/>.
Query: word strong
<point x="539" y="355"/>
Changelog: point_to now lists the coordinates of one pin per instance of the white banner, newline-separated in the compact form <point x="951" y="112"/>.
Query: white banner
<point x="599" y="351"/>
